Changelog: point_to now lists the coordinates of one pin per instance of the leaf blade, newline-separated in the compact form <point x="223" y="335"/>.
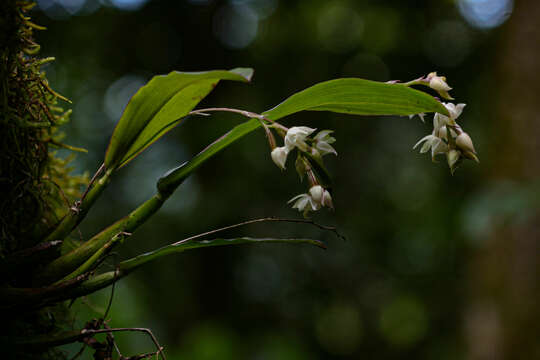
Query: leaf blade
<point x="359" y="97"/>
<point x="160" y="105"/>
<point x="133" y="263"/>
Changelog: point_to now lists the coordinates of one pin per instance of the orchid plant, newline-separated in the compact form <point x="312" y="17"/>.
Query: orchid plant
<point x="164" y="102"/>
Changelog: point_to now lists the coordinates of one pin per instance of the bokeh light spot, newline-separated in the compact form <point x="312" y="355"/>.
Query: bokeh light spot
<point x="236" y="26"/>
<point x="339" y="329"/>
<point x="403" y="321"/>
<point x="340" y="28"/>
<point x="129" y="5"/>
<point x="486" y="13"/>
<point x="263" y="8"/>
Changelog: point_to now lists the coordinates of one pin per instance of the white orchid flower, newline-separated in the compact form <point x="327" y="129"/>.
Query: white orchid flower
<point x="438" y="83"/>
<point x="440" y="120"/>
<point x="436" y="144"/>
<point x="321" y="196"/>
<point x="304" y="203"/>
<point x="279" y="156"/>
<point x="316" y="198"/>
<point x="322" y="142"/>
<point x="296" y="137"/>
<point x="454" y="110"/>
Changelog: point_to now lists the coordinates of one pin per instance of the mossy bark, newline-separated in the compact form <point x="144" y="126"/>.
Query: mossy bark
<point x="35" y="186"/>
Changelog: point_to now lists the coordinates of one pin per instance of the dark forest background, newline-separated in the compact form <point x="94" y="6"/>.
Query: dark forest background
<point x="434" y="267"/>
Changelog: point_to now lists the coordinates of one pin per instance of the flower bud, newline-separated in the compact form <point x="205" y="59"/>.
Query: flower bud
<point x="464" y="142"/>
<point x="453" y="157"/>
<point x="279" y="156"/>
<point x="438" y="83"/>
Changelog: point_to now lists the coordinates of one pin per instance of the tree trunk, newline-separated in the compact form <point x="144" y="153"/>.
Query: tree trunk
<point x="503" y="321"/>
<point x="35" y="187"/>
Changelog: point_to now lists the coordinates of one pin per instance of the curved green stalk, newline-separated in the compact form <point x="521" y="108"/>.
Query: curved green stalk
<point x="81" y="285"/>
<point x="88" y="264"/>
<point x="67" y="263"/>
<point x="78" y="212"/>
<point x="175" y="177"/>
<point x="127" y="266"/>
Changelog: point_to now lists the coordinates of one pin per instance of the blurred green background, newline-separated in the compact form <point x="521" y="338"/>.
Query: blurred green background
<point x="435" y="266"/>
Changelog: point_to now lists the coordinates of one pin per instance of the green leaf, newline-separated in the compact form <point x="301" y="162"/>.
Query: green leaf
<point x="359" y="97"/>
<point x="352" y="96"/>
<point x="160" y="105"/>
<point x="133" y="263"/>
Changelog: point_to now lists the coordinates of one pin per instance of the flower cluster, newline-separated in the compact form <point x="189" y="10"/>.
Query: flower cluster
<point x="448" y="138"/>
<point x="310" y="152"/>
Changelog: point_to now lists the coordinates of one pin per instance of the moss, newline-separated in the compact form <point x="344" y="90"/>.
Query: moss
<point x="36" y="186"/>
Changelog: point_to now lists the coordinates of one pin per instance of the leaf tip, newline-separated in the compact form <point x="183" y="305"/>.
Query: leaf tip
<point x="246" y="73"/>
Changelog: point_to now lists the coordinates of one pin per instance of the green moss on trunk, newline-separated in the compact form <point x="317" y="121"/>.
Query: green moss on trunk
<point x="36" y="187"/>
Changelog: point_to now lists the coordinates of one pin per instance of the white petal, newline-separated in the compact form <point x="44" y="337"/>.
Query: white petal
<point x="327" y="200"/>
<point x="316" y="193"/>
<point x="325" y="148"/>
<point x="425" y="138"/>
<point x="295" y="137"/>
<point x="454" y="110"/>
<point x="427" y="145"/>
<point x="439" y="147"/>
<point x="439" y="120"/>
<point x="301" y="201"/>
<point x="459" y="109"/>
<point x="322" y="134"/>
<point x="297" y="197"/>
<point x="300" y="130"/>
<point x="314" y="205"/>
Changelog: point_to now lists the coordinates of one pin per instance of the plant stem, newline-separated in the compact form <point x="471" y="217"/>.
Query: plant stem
<point x="103" y="280"/>
<point x="168" y="183"/>
<point x="81" y="208"/>
<point x="420" y="81"/>
<point x="245" y="113"/>
<point x="67" y="337"/>
<point x="67" y="263"/>
<point x="88" y="264"/>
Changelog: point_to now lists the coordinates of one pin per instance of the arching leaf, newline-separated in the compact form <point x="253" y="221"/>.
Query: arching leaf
<point x="359" y="97"/>
<point x="160" y="105"/>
